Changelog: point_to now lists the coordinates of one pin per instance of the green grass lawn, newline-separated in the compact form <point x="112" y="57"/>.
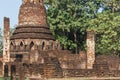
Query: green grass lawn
<point x="1" y="78"/>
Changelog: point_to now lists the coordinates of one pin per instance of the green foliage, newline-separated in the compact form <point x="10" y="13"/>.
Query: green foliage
<point x="107" y="27"/>
<point x="1" y="38"/>
<point x="66" y="43"/>
<point x="69" y="20"/>
<point x="12" y="30"/>
<point x="1" y="41"/>
<point x="112" y="5"/>
<point x="107" y="30"/>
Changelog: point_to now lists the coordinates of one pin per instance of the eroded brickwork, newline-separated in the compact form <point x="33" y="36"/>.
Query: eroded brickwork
<point x="90" y="49"/>
<point x="35" y="54"/>
<point x="32" y="12"/>
<point x="6" y="48"/>
<point x="32" y="31"/>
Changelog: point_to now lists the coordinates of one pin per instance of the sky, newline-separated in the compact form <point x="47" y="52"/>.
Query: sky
<point x="9" y="8"/>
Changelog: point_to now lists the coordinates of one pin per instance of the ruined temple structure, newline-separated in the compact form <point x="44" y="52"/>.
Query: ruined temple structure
<point x="33" y="52"/>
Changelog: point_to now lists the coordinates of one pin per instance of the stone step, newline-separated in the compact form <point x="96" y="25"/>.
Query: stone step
<point x="52" y="68"/>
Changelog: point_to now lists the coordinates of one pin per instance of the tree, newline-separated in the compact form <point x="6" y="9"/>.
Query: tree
<point x="68" y="20"/>
<point x="2" y="36"/>
<point x="106" y="25"/>
<point x="12" y="30"/>
<point x="1" y="41"/>
<point x="112" y="5"/>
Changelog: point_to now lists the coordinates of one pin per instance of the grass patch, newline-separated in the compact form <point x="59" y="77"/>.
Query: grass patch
<point x="1" y="78"/>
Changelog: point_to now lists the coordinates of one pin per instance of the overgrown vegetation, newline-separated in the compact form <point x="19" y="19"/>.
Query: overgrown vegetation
<point x="1" y="38"/>
<point x="70" y="19"/>
<point x="1" y="41"/>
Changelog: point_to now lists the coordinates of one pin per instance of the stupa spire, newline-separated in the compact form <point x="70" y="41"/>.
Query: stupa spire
<point x="32" y="12"/>
<point x="32" y="1"/>
<point x="32" y="21"/>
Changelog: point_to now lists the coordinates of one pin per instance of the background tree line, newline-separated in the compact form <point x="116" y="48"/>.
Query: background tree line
<point x="1" y="41"/>
<point x="69" y="21"/>
<point x="2" y="38"/>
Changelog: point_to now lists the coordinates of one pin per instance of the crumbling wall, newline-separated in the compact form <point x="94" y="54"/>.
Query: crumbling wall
<point x="112" y="61"/>
<point x="90" y="73"/>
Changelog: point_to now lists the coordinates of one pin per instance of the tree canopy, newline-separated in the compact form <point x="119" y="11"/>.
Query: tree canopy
<point x="70" y="19"/>
<point x="1" y="41"/>
<point x="2" y="38"/>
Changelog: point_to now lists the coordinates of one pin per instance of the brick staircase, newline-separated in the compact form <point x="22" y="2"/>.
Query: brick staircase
<point x="52" y="68"/>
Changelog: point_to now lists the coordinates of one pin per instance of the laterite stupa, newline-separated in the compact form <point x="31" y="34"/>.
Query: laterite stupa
<point x="32" y="52"/>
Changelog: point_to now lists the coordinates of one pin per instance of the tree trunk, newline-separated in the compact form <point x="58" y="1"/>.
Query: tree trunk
<point x="75" y="39"/>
